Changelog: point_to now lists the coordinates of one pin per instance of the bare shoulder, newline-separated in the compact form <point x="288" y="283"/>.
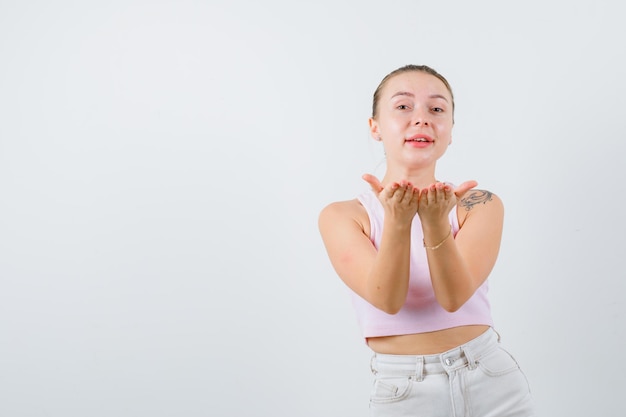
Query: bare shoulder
<point x="342" y="209"/>
<point x="342" y="212"/>
<point x="476" y="198"/>
<point x="479" y="201"/>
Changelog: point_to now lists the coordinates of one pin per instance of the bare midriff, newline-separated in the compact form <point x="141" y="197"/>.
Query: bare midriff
<point x="426" y="343"/>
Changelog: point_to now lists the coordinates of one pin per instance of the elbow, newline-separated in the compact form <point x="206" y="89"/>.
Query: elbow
<point x="452" y="301"/>
<point x="389" y="307"/>
<point x="392" y="307"/>
<point x="390" y="302"/>
<point x="452" y="305"/>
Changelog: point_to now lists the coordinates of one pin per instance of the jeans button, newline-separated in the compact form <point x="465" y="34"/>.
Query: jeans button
<point x="449" y="361"/>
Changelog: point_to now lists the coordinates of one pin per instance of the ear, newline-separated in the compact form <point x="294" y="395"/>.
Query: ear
<point x="374" y="131"/>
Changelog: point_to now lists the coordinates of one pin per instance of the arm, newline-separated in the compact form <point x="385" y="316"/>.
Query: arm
<point x="460" y="265"/>
<point x="379" y="276"/>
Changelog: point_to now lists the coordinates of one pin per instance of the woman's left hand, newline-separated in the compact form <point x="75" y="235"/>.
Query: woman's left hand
<point x="436" y="201"/>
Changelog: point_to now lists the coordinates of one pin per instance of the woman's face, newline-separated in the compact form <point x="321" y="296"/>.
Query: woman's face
<point x="414" y="119"/>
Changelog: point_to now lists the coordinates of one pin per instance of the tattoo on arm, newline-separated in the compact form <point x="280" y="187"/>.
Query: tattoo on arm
<point x="475" y="197"/>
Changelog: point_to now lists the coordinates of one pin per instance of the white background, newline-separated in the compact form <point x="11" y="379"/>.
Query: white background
<point x="163" y="163"/>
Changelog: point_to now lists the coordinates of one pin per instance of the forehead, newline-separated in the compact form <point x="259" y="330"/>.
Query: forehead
<point x="416" y="83"/>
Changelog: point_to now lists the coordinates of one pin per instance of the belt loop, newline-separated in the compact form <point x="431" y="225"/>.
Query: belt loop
<point x="372" y="366"/>
<point x="419" y="368"/>
<point x="497" y="334"/>
<point x="471" y="361"/>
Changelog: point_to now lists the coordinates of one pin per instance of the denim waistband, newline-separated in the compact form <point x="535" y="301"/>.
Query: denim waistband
<point x="420" y="365"/>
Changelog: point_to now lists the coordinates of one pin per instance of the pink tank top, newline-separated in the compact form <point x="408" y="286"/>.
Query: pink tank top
<point x="421" y="312"/>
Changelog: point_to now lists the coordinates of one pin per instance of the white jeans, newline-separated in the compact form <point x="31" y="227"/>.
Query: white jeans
<point x="477" y="379"/>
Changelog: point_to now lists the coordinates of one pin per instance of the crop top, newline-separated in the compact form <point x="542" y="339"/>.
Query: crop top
<point x="421" y="312"/>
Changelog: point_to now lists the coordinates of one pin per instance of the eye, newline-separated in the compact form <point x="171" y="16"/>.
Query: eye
<point x="403" y="107"/>
<point x="437" y="109"/>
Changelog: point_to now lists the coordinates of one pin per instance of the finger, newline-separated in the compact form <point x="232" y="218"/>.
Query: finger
<point x="373" y="182"/>
<point x="465" y="187"/>
<point x="444" y="192"/>
<point x="400" y="192"/>
<point x="408" y="192"/>
<point x="424" y="195"/>
<point x="415" y="196"/>
<point x="391" y="190"/>
<point x="449" y="192"/>
<point x="434" y="193"/>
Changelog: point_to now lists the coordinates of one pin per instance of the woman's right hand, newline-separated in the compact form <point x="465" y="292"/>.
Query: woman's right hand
<point x="399" y="200"/>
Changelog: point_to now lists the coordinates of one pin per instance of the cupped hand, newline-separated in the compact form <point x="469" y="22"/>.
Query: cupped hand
<point x="436" y="201"/>
<point x="399" y="199"/>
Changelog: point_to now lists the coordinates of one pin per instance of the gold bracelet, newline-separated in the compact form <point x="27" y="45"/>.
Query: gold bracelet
<point x="440" y="243"/>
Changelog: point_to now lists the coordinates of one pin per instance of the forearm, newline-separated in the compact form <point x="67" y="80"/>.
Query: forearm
<point x="451" y="277"/>
<point x="388" y="279"/>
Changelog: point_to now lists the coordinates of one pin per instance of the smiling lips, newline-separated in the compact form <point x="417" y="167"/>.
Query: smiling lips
<point x="419" y="140"/>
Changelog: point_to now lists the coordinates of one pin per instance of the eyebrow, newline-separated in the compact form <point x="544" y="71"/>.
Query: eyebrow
<point x="406" y="93"/>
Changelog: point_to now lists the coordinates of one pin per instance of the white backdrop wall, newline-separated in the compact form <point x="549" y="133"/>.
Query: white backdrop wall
<point x="163" y="163"/>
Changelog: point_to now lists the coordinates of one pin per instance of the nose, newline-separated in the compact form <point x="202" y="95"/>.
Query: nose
<point x="420" y="119"/>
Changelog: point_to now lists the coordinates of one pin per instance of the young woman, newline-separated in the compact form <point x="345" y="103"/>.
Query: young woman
<point x="416" y="253"/>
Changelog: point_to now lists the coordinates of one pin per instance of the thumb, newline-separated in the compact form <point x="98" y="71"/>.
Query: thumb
<point x="373" y="182"/>
<point x="465" y="187"/>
